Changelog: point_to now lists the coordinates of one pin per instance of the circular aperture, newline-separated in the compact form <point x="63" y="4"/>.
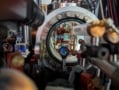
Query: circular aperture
<point x="61" y="34"/>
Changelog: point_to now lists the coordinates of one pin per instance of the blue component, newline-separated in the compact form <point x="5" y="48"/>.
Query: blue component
<point x="22" y="48"/>
<point x="64" y="51"/>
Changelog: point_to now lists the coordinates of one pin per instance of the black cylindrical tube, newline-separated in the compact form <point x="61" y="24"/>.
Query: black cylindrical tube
<point x="95" y="51"/>
<point x="37" y="16"/>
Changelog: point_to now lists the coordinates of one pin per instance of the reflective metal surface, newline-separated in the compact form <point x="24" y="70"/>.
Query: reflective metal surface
<point x="71" y="17"/>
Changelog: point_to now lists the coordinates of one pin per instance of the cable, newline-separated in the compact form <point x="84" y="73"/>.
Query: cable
<point x="102" y="10"/>
<point x="110" y="8"/>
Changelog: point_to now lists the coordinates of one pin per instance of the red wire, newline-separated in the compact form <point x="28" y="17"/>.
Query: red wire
<point x="110" y="8"/>
<point x="115" y="13"/>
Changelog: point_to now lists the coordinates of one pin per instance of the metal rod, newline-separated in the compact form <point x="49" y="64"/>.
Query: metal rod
<point x="64" y="65"/>
<point x="84" y="62"/>
<point x="102" y="10"/>
<point x="115" y="57"/>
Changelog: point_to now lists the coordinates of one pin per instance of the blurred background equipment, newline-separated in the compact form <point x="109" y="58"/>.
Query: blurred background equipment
<point x="15" y="60"/>
<point x="12" y="79"/>
<point x="24" y="11"/>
